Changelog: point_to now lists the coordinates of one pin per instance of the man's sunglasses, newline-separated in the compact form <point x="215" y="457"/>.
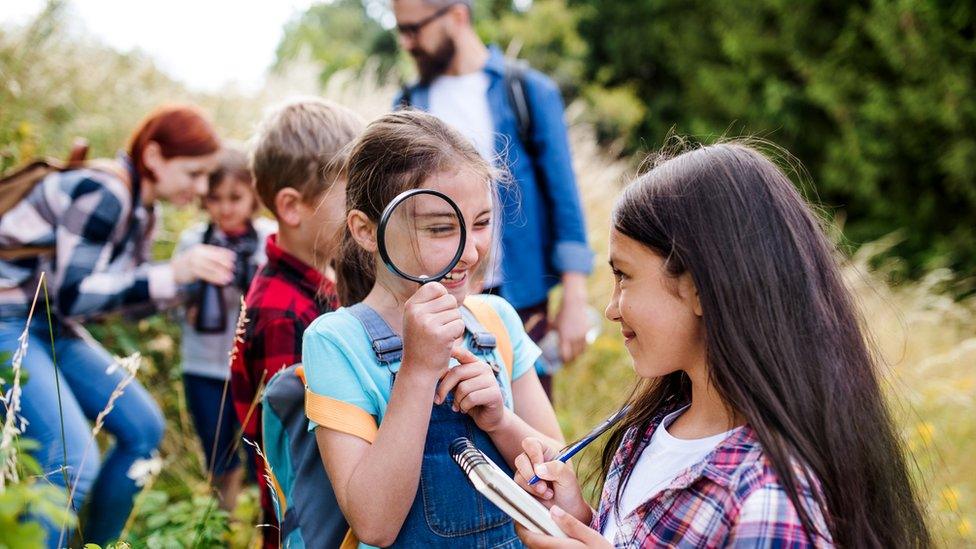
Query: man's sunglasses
<point x="411" y="30"/>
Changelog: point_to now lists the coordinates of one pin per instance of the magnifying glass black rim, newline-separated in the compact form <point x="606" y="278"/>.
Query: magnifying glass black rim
<point x="381" y="235"/>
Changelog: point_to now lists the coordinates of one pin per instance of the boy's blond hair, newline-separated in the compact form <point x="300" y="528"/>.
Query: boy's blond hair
<point x="302" y="144"/>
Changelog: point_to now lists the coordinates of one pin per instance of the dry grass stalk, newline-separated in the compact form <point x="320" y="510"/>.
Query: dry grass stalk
<point x="238" y="339"/>
<point x="12" y="428"/>
<point x="130" y="365"/>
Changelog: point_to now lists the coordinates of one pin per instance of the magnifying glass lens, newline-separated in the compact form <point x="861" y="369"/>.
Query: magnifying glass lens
<point x="423" y="236"/>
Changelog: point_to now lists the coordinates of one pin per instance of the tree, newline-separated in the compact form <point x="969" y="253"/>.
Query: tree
<point x="338" y="35"/>
<point x="875" y="98"/>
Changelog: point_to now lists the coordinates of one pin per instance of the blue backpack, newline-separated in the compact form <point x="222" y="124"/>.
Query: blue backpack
<point x="307" y="511"/>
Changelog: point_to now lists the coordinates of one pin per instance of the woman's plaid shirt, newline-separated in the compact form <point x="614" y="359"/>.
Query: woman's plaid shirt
<point x="102" y="235"/>
<point x="731" y="498"/>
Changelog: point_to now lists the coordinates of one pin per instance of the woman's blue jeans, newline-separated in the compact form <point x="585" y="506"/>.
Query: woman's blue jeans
<point x="64" y="432"/>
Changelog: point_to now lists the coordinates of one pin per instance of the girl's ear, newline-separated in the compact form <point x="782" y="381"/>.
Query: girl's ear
<point x="363" y="230"/>
<point x="689" y="293"/>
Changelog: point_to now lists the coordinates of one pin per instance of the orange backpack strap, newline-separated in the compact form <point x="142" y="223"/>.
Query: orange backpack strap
<point x="336" y="414"/>
<point x="490" y="319"/>
<point x="343" y="417"/>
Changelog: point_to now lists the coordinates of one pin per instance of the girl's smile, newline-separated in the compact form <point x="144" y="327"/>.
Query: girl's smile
<point x="455" y="279"/>
<point x="661" y="307"/>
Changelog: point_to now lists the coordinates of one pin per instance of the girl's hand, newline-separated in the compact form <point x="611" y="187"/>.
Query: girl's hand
<point x="557" y="485"/>
<point x="579" y="534"/>
<point x="431" y="324"/>
<point x="204" y="262"/>
<point x="476" y="391"/>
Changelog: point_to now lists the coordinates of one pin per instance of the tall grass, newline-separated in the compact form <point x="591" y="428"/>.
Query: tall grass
<point x="53" y="88"/>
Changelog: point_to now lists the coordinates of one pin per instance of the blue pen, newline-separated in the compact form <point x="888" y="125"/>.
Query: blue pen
<point x="590" y="437"/>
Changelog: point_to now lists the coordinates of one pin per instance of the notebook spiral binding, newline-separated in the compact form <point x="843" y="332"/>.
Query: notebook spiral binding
<point x="466" y="454"/>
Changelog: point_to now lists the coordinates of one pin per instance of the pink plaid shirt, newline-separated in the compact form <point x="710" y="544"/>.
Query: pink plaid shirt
<point x="732" y="498"/>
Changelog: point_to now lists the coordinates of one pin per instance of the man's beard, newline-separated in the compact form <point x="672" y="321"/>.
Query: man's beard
<point x="432" y="65"/>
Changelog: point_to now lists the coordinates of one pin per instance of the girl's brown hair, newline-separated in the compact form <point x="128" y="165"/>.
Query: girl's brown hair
<point x="397" y="152"/>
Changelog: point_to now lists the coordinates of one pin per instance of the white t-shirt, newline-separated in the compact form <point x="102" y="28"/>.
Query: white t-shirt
<point x="462" y="102"/>
<point x="658" y="465"/>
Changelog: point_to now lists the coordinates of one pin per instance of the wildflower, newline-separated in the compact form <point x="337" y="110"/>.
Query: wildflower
<point x="142" y="470"/>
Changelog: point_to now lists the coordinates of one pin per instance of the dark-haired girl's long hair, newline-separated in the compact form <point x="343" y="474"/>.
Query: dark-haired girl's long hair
<point x="783" y="338"/>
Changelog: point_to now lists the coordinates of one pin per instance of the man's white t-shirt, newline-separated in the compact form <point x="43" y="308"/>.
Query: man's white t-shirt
<point x="462" y="102"/>
<point x="658" y="465"/>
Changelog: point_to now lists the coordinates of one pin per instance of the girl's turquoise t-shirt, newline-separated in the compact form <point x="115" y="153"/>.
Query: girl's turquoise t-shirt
<point x="340" y="363"/>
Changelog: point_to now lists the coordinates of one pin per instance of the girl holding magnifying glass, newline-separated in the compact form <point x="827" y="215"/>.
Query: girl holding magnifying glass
<point x="389" y="416"/>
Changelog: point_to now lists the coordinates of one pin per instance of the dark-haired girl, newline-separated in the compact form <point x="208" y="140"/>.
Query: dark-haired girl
<point x="759" y="421"/>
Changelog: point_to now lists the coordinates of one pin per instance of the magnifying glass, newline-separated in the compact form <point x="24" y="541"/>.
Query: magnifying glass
<point x="421" y="235"/>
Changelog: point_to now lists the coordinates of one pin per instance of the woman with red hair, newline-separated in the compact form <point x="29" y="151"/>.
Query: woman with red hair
<point x="99" y="222"/>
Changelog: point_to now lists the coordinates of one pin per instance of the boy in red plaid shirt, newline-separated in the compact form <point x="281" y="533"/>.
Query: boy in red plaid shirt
<point x="297" y="161"/>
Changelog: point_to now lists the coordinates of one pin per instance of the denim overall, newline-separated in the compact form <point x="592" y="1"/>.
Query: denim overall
<point x="447" y="511"/>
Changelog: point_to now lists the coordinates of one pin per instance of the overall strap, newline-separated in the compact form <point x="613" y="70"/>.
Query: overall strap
<point x="385" y="342"/>
<point x="484" y="340"/>
<point x="388" y="346"/>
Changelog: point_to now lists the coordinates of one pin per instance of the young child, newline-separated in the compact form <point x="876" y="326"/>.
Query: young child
<point x="231" y="204"/>
<point x="759" y="421"/>
<point x="296" y="160"/>
<point x="388" y="417"/>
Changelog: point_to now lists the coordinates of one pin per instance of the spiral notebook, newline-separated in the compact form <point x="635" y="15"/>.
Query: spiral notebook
<point x="492" y="482"/>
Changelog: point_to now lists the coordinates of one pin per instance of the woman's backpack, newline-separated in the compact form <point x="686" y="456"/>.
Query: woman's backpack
<point x="16" y="185"/>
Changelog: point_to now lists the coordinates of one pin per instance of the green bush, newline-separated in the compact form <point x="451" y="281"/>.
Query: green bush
<point x="876" y="99"/>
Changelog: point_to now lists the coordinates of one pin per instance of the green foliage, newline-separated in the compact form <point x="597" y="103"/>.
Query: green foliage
<point x="30" y="499"/>
<point x="338" y="35"/>
<point x="187" y="522"/>
<point x="876" y="99"/>
<point x="546" y="36"/>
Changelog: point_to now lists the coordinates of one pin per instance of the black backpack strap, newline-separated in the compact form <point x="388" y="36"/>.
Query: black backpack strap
<point x="515" y="70"/>
<point x="208" y="234"/>
<point x="406" y="97"/>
